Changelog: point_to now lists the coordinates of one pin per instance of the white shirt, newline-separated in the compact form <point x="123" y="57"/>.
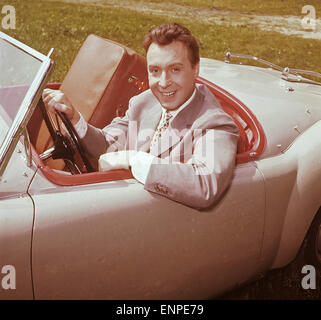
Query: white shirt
<point x="140" y="163"/>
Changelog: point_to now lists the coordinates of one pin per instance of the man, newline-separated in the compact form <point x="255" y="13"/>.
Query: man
<point x="175" y="137"/>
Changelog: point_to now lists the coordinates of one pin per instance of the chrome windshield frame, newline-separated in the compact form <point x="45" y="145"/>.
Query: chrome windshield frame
<point x="28" y="104"/>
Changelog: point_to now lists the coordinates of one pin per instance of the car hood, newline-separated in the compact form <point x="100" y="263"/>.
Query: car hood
<point x="284" y="109"/>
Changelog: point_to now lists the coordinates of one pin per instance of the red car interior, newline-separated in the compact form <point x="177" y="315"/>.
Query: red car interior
<point x="100" y="82"/>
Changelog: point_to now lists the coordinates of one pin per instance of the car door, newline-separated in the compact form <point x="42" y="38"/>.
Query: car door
<point x="115" y="240"/>
<point x="16" y="219"/>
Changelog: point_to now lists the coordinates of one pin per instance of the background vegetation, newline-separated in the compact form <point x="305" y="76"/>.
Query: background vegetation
<point x="44" y="24"/>
<point x="267" y="7"/>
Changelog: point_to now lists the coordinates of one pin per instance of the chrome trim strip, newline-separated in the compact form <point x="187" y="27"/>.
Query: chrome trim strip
<point x="26" y="142"/>
<point x="50" y="52"/>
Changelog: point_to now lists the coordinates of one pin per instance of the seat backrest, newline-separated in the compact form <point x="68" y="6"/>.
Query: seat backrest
<point x="102" y="79"/>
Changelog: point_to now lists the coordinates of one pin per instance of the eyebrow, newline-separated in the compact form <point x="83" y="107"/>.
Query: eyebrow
<point x="171" y="65"/>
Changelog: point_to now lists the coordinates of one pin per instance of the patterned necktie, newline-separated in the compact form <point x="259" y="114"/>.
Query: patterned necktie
<point x="163" y="125"/>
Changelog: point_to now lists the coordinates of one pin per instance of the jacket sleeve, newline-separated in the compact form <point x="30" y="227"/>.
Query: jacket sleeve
<point x="205" y="176"/>
<point x="109" y="139"/>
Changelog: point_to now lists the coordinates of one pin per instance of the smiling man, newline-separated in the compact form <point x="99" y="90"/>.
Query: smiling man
<point x="175" y="137"/>
<point x="171" y="73"/>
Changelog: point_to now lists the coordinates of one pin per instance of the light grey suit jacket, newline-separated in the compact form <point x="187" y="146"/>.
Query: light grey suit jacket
<point x="196" y="158"/>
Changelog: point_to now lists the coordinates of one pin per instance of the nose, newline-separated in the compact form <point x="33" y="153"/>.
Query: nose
<point x="164" y="80"/>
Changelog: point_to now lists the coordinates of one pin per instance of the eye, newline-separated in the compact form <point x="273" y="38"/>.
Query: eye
<point x="176" y="69"/>
<point x="154" y="70"/>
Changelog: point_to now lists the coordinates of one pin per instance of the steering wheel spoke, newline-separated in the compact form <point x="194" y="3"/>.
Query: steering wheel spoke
<point x="72" y="166"/>
<point x="64" y="144"/>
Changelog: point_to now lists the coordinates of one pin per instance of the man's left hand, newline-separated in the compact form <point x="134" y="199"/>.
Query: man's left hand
<point x="115" y="160"/>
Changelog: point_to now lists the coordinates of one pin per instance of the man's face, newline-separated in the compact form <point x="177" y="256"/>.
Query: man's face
<point x="170" y="73"/>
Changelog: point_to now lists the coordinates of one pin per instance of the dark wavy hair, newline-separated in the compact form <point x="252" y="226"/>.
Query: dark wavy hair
<point x="167" y="33"/>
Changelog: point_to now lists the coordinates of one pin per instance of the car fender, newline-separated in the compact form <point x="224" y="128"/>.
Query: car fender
<point x="16" y="223"/>
<point x="293" y="185"/>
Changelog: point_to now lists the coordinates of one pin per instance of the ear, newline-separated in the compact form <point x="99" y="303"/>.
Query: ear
<point x="196" y="70"/>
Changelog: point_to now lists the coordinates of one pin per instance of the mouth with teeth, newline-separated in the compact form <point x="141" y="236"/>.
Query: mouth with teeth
<point x="168" y="94"/>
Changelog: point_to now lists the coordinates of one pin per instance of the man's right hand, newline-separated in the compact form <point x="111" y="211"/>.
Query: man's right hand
<point x="57" y="100"/>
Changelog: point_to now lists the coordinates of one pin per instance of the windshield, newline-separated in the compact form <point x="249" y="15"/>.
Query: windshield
<point x="18" y="69"/>
<point x="23" y="75"/>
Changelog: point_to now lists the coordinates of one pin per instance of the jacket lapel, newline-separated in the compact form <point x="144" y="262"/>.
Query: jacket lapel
<point x="147" y="127"/>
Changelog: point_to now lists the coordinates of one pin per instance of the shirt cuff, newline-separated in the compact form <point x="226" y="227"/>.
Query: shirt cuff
<point x="81" y="127"/>
<point x="140" y="164"/>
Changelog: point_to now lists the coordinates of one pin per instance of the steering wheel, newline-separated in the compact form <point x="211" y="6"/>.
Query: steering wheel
<point x="63" y="147"/>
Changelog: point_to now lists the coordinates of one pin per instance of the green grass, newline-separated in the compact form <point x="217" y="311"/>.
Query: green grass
<point x="266" y="7"/>
<point x="42" y="25"/>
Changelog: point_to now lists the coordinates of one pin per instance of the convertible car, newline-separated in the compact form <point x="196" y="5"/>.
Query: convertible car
<point x="72" y="232"/>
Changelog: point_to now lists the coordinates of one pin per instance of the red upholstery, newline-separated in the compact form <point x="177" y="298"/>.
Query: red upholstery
<point x="252" y="139"/>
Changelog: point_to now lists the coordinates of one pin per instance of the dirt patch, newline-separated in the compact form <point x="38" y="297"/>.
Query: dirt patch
<point x="290" y="25"/>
